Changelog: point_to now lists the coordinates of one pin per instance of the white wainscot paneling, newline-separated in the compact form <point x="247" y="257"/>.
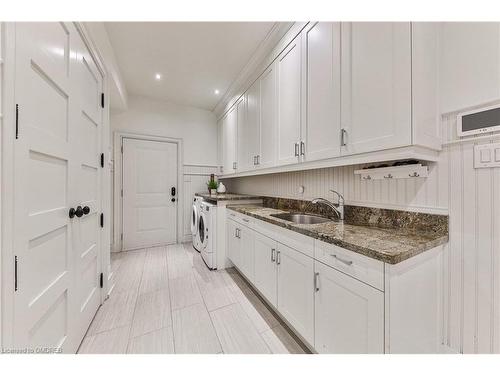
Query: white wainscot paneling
<point x="471" y="197"/>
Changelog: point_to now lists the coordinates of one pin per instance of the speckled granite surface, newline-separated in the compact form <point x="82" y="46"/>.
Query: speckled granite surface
<point x="226" y="197"/>
<point x="387" y="244"/>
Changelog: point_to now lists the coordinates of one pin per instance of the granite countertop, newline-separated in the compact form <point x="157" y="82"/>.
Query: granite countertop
<point x="226" y="197"/>
<point x="389" y="245"/>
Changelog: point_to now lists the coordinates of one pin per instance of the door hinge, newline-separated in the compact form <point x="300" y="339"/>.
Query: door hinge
<point x="102" y="100"/>
<point x="102" y="160"/>
<point x="101" y="280"/>
<point x="17" y="121"/>
<point x="102" y="220"/>
<point x="15" y="273"/>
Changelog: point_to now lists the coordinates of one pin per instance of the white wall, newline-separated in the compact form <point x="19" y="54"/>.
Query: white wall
<point x="198" y="130"/>
<point x="471" y="197"/>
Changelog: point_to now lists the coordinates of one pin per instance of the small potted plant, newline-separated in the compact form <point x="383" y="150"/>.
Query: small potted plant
<point x="212" y="187"/>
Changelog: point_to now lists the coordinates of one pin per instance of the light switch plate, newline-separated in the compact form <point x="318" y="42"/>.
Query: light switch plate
<point x="487" y="155"/>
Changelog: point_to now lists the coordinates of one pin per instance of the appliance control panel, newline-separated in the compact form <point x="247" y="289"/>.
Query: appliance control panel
<point x="487" y="155"/>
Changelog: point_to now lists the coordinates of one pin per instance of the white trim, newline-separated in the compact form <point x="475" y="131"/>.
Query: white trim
<point x="407" y="152"/>
<point x="117" y="243"/>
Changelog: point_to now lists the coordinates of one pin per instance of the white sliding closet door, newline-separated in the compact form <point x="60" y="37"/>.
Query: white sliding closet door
<point x="57" y="90"/>
<point x="149" y="201"/>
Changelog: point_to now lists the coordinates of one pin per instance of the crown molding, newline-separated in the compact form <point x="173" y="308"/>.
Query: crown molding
<point x="253" y="68"/>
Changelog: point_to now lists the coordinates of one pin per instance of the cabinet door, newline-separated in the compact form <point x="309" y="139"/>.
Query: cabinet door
<point x="376" y="86"/>
<point x="296" y="290"/>
<point x="349" y="315"/>
<point x="252" y="134"/>
<point x="246" y="247"/>
<point x="242" y="134"/>
<point x="268" y="118"/>
<point x="229" y="132"/>
<point x="265" y="267"/>
<point x="232" y="242"/>
<point x="289" y="101"/>
<point x="321" y="125"/>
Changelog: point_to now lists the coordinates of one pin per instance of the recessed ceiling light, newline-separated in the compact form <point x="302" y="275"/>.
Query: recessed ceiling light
<point x="216" y="92"/>
<point x="157" y="76"/>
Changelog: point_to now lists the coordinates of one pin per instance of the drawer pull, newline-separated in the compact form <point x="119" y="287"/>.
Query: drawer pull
<point x="273" y="255"/>
<point x="316" y="284"/>
<point x="278" y="258"/>
<point x="347" y="262"/>
<point x="246" y="220"/>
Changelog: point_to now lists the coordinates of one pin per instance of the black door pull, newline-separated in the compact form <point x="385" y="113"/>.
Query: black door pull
<point x="79" y="211"/>
<point x="172" y="191"/>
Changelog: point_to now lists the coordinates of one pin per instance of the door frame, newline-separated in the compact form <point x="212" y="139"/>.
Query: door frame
<point x="7" y="149"/>
<point x="118" y="136"/>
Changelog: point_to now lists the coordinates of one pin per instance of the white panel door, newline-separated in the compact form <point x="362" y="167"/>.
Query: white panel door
<point x="242" y="133"/>
<point x="296" y="290"/>
<point x="233" y="243"/>
<point x="86" y="236"/>
<point x="289" y="65"/>
<point x="149" y="205"/>
<point x="268" y="118"/>
<point x="321" y="126"/>
<point x="376" y="86"/>
<point x="265" y="267"/>
<point x="349" y="314"/>
<point x="57" y="90"/>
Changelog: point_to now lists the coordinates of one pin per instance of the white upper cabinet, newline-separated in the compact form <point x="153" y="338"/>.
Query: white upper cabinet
<point x="289" y="68"/>
<point x="252" y="134"/>
<point x="376" y="86"/>
<point x="321" y="125"/>
<point x="268" y="118"/>
<point x="229" y="138"/>
<point x="349" y="314"/>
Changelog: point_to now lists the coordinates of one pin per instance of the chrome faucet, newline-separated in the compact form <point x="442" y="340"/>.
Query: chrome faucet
<point x="338" y="207"/>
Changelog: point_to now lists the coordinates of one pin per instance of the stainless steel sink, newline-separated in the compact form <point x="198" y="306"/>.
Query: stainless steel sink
<point x="302" y="218"/>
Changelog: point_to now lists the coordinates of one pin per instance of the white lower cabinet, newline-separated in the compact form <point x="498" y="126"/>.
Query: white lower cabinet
<point x="348" y="314"/>
<point x="265" y="267"/>
<point x="233" y="243"/>
<point x="246" y="247"/>
<point x="296" y="290"/>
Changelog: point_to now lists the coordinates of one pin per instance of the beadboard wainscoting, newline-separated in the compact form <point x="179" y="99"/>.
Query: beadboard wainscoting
<point x="471" y="197"/>
<point x="195" y="181"/>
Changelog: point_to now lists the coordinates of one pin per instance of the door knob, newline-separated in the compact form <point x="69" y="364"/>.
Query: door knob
<point x="86" y="210"/>
<point x="71" y="213"/>
<point x="79" y="211"/>
<point x="173" y="199"/>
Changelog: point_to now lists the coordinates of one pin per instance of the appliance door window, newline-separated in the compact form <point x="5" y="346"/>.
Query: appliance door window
<point x="201" y="230"/>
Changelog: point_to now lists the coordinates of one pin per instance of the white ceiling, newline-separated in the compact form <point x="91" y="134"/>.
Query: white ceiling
<point x="194" y="58"/>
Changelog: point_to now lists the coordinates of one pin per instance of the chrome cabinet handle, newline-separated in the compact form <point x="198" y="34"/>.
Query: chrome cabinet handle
<point x="296" y="148"/>
<point x="246" y="220"/>
<point x="316" y="283"/>
<point x="347" y="262"/>
<point x="234" y="165"/>
<point x="278" y="258"/>
<point x="302" y="148"/>
<point x="343" y="134"/>
<point x="273" y="255"/>
<point x="258" y="159"/>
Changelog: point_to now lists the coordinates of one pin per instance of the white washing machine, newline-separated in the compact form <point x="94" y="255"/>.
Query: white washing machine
<point x="195" y="219"/>
<point x="207" y="232"/>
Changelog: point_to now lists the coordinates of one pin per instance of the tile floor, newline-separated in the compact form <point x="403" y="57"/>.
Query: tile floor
<point x="165" y="300"/>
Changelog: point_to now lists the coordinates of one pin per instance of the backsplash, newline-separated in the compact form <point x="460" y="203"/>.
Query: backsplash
<point x="367" y="216"/>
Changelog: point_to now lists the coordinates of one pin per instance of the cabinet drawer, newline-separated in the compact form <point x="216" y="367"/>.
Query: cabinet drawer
<point x="242" y="219"/>
<point x="367" y="270"/>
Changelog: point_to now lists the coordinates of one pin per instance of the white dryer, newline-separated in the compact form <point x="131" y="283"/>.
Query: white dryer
<point x="207" y="232"/>
<point x="195" y="219"/>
